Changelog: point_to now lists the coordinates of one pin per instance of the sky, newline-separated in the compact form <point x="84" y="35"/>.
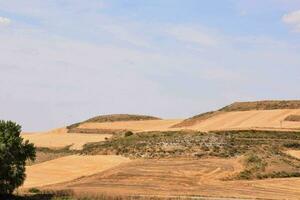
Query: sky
<point x="63" y="61"/>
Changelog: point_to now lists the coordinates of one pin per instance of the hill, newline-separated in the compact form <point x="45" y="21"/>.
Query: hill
<point x="262" y="105"/>
<point x="226" y="153"/>
<point x="112" y="118"/>
<point x="257" y="108"/>
<point x="228" y="164"/>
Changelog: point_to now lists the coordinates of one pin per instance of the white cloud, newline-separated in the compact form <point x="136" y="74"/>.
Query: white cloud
<point x="4" y="21"/>
<point x="293" y="19"/>
<point x="193" y="35"/>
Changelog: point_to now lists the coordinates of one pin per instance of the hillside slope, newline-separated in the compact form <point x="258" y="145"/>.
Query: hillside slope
<point x="69" y="168"/>
<point x="59" y="138"/>
<point x="136" y="126"/>
<point x="247" y="115"/>
<point x="180" y="178"/>
<point x="262" y="105"/>
<point x="111" y="118"/>
<point x="257" y="119"/>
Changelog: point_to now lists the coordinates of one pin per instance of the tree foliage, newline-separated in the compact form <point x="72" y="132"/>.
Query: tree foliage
<point x="14" y="152"/>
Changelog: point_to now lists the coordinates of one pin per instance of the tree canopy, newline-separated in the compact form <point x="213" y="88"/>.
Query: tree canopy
<point x="14" y="152"/>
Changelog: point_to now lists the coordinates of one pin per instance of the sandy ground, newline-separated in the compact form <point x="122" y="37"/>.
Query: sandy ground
<point x="182" y="177"/>
<point x="147" y="125"/>
<point x="262" y="119"/>
<point x="69" y="168"/>
<point x="60" y="138"/>
<point x="294" y="153"/>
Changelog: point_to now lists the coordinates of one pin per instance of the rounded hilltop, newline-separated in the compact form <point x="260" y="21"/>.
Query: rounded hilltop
<point x="114" y="118"/>
<point x="262" y="105"/>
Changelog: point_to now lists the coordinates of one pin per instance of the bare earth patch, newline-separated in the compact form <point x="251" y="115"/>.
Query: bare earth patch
<point x="69" y="168"/>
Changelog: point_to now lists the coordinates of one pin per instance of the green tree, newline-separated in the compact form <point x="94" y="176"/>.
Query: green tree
<point x="14" y="152"/>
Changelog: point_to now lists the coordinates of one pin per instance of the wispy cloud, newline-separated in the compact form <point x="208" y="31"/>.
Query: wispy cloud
<point x="194" y="35"/>
<point x="293" y="19"/>
<point x="4" y="21"/>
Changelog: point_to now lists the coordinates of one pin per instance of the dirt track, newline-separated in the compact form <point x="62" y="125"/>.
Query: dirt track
<point x="69" y="168"/>
<point x="60" y="138"/>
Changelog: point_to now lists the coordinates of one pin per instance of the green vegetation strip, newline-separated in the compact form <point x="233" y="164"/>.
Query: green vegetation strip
<point x="262" y="150"/>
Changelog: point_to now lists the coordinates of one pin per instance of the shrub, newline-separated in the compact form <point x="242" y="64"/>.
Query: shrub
<point x="34" y="190"/>
<point x="293" y="118"/>
<point x="293" y="145"/>
<point x="128" y="133"/>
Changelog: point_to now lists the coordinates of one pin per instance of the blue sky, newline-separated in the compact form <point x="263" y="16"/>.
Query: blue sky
<point x="63" y="61"/>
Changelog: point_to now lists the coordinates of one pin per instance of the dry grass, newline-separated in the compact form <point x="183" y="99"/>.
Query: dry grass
<point x="155" y="177"/>
<point x="204" y="173"/>
<point x="182" y="177"/>
<point x="241" y="106"/>
<point x="196" y="119"/>
<point x="257" y="119"/>
<point x="121" y="117"/>
<point x="293" y="153"/>
<point x="148" y="125"/>
<point x="262" y="149"/>
<point x="262" y="105"/>
<point x="112" y="118"/>
<point x="69" y="168"/>
<point x="293" y="118"/>
<point x="59" y="138"/>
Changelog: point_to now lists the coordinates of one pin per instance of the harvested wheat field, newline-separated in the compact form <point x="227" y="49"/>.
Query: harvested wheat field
<point x="182" y="177"/>
<point x="294" y="153"/>
<point x="69" y="168"/>
<point x="254" y="119"/>
<point x="157" y="176"/>
<point x="59" y="138"/>
<point x="143" y="125"/>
